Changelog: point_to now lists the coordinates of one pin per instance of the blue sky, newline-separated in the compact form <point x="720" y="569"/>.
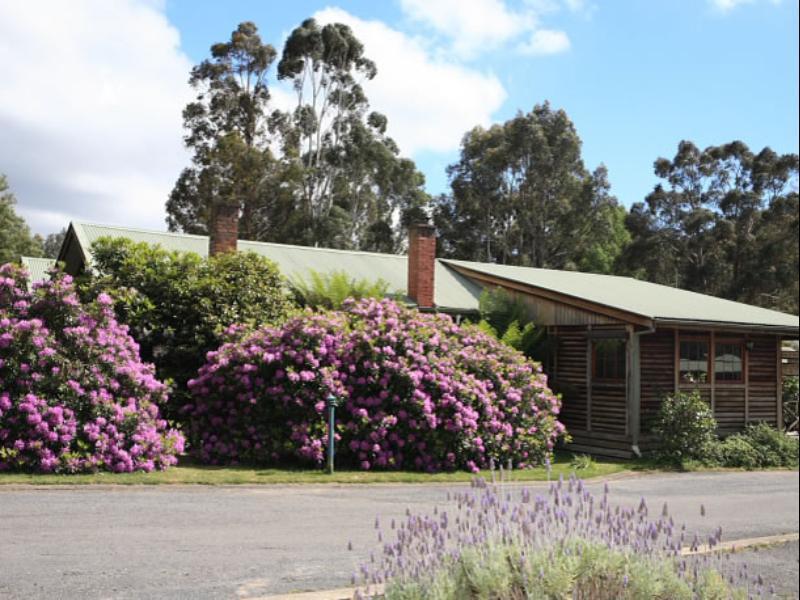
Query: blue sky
<point x="90" y="106"/>
<point x="637" y="76"/>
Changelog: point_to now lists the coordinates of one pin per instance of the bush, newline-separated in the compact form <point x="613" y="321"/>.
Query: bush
<point x="330" y="290"/>
<point x="178" y="304"/>
<point x="791" y="395"/>
<point x="75" y="394"/>
<point x="418" y="392"/>
<point x="759" y="446"/>
<point x="685" y="428"/>
<point x="500" y="543"/>
<point x="507" y="318"/>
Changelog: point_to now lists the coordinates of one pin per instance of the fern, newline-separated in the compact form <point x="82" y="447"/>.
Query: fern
<point x="330" y="290"/>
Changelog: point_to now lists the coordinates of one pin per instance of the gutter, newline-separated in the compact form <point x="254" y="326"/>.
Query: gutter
<point x="763" y="328"/>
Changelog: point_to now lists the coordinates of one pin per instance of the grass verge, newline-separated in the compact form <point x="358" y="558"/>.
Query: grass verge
<point x="188" y="473"/>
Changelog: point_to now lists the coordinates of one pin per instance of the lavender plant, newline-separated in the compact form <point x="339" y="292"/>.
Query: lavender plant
<point x="507" y="543"/>
<point x="418" y="392"/>
<point x="74" y="395"/>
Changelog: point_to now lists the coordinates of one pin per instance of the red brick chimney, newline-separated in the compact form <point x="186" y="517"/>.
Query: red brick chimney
<point x="224" y="228"/>
<point x="421" y="263"/>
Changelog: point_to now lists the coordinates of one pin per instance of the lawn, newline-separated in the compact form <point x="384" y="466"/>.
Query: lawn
<point x="192" y="473"/>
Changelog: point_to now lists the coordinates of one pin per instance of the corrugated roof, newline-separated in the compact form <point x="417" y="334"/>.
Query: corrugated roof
<point x="457" y="292"/>
<point x="650" y="300"/>
<point x="37" y="268"/>
<point x="452" y="291"/>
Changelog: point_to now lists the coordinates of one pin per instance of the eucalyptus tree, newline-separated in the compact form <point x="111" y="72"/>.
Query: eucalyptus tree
<point x="724" y="222"/>
<point x="352" y="186"/>
<point x="226" y="131"/>
<point x="522" y="195"/>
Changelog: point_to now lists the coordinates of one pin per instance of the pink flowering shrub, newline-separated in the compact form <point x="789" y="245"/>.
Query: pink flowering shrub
<point x="417" y="391"/>
<point x="74" y="395"/>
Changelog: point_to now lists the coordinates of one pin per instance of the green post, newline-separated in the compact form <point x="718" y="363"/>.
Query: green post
<point x="331" y="431"/>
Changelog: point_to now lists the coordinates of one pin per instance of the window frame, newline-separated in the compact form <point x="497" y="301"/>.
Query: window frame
<point x="624" y="362"/>
<point x="742" y="344"/>
<point x="709" y="363"/>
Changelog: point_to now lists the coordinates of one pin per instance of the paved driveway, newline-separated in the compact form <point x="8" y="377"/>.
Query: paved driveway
<point x="239" y="542"/>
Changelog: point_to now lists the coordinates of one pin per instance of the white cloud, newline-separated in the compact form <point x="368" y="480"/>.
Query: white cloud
<point x="477" y="26"/>
<point x="430" y="102"/>
<point x="90" y="110"/>
<point x="545" y="41"/>
<point x="473" y="25"/>
<point x="726" y="6"/>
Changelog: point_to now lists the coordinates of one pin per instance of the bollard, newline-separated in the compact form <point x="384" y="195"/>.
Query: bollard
<point x="331" y="431"/>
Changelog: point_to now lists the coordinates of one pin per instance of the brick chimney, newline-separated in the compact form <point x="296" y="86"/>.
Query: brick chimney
<point x="421" y="263"/>
<point x="224" y="229"/>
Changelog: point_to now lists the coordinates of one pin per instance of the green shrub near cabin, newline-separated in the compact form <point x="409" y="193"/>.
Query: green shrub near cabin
<point x="178" y="304"/>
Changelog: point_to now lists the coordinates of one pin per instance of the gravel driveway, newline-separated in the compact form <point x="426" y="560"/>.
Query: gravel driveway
<point x="243" y="541"/>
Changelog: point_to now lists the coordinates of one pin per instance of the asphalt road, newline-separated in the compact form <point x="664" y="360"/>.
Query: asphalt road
<point x="243" y="541"/>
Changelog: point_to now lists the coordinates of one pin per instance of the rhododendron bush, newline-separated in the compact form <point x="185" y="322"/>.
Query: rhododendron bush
<point x="74" y="394"/>
<point x="416" y="391"/>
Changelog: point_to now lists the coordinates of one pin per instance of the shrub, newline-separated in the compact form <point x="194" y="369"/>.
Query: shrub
<point x="330" y="290"/>
<point x="496" y="542"/>
<point x="506" y="317"/>
<point x="759" y="446"/>
<point x="685" y="428"/>
<point x="418" y="392"/>
<point x="735" y="451"/>
<point x="791" y="395"/>
<point x="178" y="304"/>
<point x="75" y="395"/>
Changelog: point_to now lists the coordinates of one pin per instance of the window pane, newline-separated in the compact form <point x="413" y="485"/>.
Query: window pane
<point x="694" y="361"/>
<point x="609" y="359"/>
<point x="728" y="362"/>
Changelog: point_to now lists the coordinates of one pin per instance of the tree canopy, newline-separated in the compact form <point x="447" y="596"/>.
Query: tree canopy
<point x="724" y="222"/>
<point x="323" y="173"/>
<point x="15" y="235"/>
<point x="521" y="195"/>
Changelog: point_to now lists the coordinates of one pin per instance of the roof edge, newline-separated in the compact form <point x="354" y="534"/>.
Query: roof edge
<point x="760" y="327"/>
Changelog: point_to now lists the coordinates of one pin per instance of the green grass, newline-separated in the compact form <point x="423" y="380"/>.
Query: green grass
<point x="188" y="473"/>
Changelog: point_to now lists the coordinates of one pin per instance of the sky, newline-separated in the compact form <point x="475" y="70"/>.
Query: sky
<point x="91" y="96"/>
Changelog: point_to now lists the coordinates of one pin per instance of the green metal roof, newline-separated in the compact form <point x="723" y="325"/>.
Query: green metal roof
<point x="452" y="290"/>
<point x="649" y="300"/>
<point x="455" y="291"/>
<point x="37" y="268"/>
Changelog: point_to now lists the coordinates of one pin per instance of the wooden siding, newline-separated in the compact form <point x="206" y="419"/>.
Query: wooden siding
<point x="763" y="364"/>
<point x="544" y="311"/>
<point x="609" y="410"/>
<point x="569" y="378"/>
<point x="657" y="374"/>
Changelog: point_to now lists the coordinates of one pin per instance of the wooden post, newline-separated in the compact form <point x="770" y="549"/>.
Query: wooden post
<point x="746" y="374"/>
<point x="712" y="366"/>
<point x="588" y="378"/>
<point x="677" y="362"/>
<point x="779" y="383"/>
<point x="633" y="386"/>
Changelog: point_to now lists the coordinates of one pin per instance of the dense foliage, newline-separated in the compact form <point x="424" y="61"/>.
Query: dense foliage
<point x="417" y="392"/>
<point x="686" y="431"/>
<point x="330" y="290"/>
<point x="521" y="195"/>
<point x="74" y="394"/>
<point x="685" y="428"/>
<point x="323" y="173"/>
<point x="15" y="235"/>
<point x="498" y="542"/>
<point x="178" y="304"/>
<point x="759" y="446"/>
<point x="791" y="399"/>
<point x="724" y="222"/>
<point x="505" y="316"/>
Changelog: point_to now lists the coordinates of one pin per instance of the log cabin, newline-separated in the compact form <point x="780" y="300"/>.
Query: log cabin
<point x="619" y="345"/>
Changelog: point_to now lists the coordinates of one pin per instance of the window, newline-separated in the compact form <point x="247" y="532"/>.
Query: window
<point x="694" y="361"/>
<point x="728" y="362"/>
<point x="609" y="360"/>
